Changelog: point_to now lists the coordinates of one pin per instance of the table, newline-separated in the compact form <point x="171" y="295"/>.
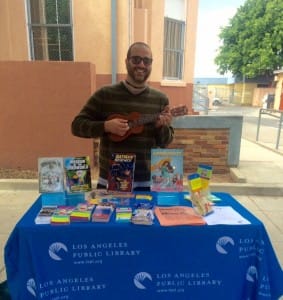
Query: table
<point x="126" y="261"/>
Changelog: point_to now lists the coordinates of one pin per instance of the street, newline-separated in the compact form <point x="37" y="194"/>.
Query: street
<point x="269" y="128"/>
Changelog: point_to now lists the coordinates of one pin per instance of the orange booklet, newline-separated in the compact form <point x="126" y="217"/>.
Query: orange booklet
<point x="178" y="215"/>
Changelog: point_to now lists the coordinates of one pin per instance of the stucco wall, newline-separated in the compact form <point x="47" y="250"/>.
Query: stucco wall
<point x="278" y="103"/>
<point x="38" y="102"/>
<point x="259" y="94"/>
<point x="13" y="31"/>
<point x="92" y="39"/>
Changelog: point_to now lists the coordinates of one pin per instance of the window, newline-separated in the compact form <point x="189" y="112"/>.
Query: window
<point x="174" y="39"/>
<point x="173" y="48"/>
<point x="50" y="29"/>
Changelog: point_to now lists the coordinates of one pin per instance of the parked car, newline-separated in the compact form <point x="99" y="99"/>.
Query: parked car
<point x="216" y="101"/>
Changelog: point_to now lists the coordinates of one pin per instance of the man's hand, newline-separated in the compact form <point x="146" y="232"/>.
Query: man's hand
<point x="116" y="126"/>
<point x="165" y="117"/>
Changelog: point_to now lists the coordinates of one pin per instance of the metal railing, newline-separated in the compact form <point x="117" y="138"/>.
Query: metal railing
<point x="200" y="102"/>
<point x="276" y="114"/>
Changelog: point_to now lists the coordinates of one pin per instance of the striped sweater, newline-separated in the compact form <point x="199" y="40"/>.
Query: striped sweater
<point x="116" y="99"/>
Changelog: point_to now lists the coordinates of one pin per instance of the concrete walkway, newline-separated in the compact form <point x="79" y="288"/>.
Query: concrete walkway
<point x="260" y="172"/>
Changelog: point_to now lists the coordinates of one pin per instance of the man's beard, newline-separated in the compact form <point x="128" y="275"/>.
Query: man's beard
<point x="138" y="78"/>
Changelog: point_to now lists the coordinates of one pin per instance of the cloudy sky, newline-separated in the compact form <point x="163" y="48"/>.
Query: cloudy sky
<point x="212" y="15"/>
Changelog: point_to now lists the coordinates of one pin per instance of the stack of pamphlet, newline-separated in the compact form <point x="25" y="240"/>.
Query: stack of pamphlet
<point x="45" y="214"/>
<point x="178" y="215"/>
<point x="61" y="215"/>
<point x="143" y="214"/>
<point x="123" y="214"/>
<point x="102" y="213"/>
<point x="82" y="212"/>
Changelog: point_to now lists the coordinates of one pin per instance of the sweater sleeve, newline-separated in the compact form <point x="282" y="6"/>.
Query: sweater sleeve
<point x="88" y="123"/>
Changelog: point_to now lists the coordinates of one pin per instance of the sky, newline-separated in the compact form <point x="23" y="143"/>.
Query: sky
<point x="212" y="15"/>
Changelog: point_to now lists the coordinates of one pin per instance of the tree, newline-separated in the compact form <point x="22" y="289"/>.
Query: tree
<point x="252" y="42"/>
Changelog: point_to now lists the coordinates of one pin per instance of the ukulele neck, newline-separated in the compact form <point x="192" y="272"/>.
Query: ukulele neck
<point x="144" y="119"/>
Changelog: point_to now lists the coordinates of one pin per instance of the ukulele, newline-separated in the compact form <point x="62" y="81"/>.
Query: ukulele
<point x="136" y="121"/>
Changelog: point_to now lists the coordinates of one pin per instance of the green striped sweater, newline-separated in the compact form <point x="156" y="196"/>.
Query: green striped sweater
<point x="116" y="99"/>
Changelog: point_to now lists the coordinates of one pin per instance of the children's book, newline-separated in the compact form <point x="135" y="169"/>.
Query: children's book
<point x="78" y="175"/>
<point x="166" y="170"/>
<point x="121" y="172"/>
<point x="51" y="174"/>
<point x="102" y="213"/>
<point x="45" y="214"/>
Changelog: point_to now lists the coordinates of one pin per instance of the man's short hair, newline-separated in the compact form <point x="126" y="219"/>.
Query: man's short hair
<point x="136" y="44"/>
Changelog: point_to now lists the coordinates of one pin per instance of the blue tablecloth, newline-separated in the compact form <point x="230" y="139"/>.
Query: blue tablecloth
<point x="126" y="261"/>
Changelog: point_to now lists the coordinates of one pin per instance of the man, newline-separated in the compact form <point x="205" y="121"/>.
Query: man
<point x="106" y="114"/>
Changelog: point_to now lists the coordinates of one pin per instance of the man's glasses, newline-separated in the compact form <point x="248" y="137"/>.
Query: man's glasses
<point x="136" y="60"/>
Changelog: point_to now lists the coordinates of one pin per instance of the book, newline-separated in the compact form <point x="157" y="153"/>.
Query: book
<point x="51" y="174"/>
<point x="61" y="215"/>
<point x="45" y="214"/>
<point x="121" y="172"/>
<point x="102" y="213"/>
<point x="82" y="212"/>
<point x="78" y="174"/>
<point x="166" y="170"/>
<point x="178" y="215"/>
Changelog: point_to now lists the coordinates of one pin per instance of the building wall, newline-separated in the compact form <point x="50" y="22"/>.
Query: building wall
<point x="259" y="94"/>
<point x="136" y="20"/>
<point x="38" y="102"/>
<point x="13" y="31"/>
<point x="191" y="32"/>
<point x="40" y="98"/>
<point x="92" y="33"/>
<point x="278" y="101"/>
<point x="243" y="93"/>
